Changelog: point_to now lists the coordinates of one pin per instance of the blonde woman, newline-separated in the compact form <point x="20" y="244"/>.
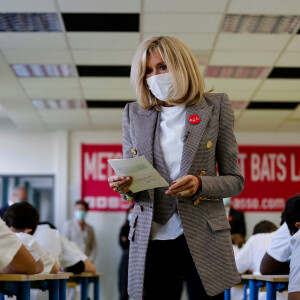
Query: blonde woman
<point x="180" y="232"/>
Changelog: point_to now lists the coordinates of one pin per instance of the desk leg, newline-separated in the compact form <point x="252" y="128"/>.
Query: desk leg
<point x="227" y="295"/>
<point x="271" y="291"/>
<point x="96" y="281"/>
<point x="53" y="289"/>
<point x="245" y="291"/>
<point x="62" y="289"/>
<point x="253" y="290"/>
<point x="23" y="290"/>
<point x="84" y="286"/>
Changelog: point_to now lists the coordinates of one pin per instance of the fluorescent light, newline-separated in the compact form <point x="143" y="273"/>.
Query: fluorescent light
<point x="24" y="22"/>
<point x="35" y="70"/>
<point x="237" y="72"/>
<point x="260" y="24"/>
<point x="58" y="104"/>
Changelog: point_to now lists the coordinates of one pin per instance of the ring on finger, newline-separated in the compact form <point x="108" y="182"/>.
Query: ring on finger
<point x="119" y="188"/>
<point x="184" y="193"/>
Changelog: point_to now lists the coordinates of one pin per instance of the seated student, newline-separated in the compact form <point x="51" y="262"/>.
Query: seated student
<point x="292" y="218"/>
<point x="22" y="218"/>
<point x="275" y="260"/>
<point x="66" y="252"/>
<point x="14" y="257"/>
<point x="250" y="256"/>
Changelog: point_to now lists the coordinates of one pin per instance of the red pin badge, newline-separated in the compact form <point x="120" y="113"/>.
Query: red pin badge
<point x="194" y="119"/>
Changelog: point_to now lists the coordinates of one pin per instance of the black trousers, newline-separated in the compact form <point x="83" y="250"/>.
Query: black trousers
<point x="123" y="275"/>
<point x="168" y="264"/>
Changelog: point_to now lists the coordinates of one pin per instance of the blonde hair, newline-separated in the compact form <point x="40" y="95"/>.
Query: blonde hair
<point x="187" y="80"/>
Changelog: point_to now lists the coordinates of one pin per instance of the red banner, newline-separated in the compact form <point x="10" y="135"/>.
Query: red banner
<point x="94" y="173"/>
<point x="272" y="175"/>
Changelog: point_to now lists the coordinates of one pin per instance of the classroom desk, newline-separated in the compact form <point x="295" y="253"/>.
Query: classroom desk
<point x="84" y="279"/>
<point x="20" y="284"/>
<point x="273" y="283"/>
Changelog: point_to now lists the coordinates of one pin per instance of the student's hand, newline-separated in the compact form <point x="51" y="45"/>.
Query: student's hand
<point x="120" y="184"/>
<point x="89" y="266"/>
<point x="185" y="186"/>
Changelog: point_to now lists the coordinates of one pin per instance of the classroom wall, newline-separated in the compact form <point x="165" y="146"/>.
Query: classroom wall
<point x="58" y="154"/>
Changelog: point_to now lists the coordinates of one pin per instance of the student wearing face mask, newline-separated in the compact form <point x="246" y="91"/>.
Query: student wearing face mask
<point x="80" y="232"/>
<point x="180" y="232"/>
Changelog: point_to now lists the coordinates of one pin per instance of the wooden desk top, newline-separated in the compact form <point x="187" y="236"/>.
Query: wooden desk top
<point x="87" y="275"/>
<point x="21" y="277"/>
<point x="248" y="276"/>
<point x="61" y="275"/>
<point x="273" y="278"/>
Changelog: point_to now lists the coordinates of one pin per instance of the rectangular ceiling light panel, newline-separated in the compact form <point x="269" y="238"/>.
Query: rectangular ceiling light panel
<point x="58" y="104"/>
<point x="237" y="72"/>
<point x="260" y="24"/>
<point x="35" y="70"/>
<point x="29" y="22"/>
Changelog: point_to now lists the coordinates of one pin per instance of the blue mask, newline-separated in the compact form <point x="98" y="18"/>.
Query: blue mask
<point x="79" y="215"/>
<point x="129" y="217"/>
<point x="227" y="201"/>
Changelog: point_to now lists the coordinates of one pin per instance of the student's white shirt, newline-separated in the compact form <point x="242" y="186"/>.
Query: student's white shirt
<point x="172" y="122"/>
<point x="84" y="239"/>
<point x="37" y="251"/>
<point x="9" y="245"/>
<point x="66" y="252"/>
<point x="280" y="248"/>
<point x="250" y="256"/>
<point x="294" y="281"/>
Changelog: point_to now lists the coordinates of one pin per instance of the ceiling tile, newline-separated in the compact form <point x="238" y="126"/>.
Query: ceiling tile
<point x="289" y="59"/>
<point x="252" y="42"/>
<point x="109" y="94"/>
<point x="181" y="23"/>
<point x="106" y="118"/>
<point x="103" y="57"/>
<point x="64" y="116"/>
<point x="195" y="41"/>
<point x="32" y="40"/>
<point x="37" y="57"/>
<point x="294" y="44"/>
<point x="261" y="120"/>
<point x="232" y="83"/>
<point x="191" y="6"/>
<point x="103" y="40"/>
<point x="277" y="95"/>
<point x="37" y="93"/>
<point x="290" y="126"/>
<point x="287" y="7"/>
<point x="49" y="83"/>
<point x="296" y="114"/>
<point x="281" y="84"/>
<point x="108" y="6"/>
<point x="240" y="58"/>
<point x="105" y="83"/>
<point x="29" y="6"/>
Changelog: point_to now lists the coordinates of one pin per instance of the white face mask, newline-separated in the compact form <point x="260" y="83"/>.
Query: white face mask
<point x="161" y="86"/>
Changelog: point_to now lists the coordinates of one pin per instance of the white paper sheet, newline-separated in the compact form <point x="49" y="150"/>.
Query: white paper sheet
<point x="144" y="175"/>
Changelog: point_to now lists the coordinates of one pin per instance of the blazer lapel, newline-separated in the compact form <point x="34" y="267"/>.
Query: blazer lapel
<point x="144" y="127"/>
<point x="193" y="133"/>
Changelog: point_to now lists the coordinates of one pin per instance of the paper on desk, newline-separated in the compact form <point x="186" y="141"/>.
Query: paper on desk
<point x="144" y="175"/>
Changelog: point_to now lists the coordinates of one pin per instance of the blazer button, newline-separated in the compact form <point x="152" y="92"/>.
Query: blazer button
<point x="202" y="173"/>
<point x="141" y="208"/>
<point x="133" y="151"/>
<point x="209" y="144"/>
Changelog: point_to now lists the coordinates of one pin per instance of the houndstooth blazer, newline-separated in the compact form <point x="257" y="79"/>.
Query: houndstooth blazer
<point x="208" y="144"/>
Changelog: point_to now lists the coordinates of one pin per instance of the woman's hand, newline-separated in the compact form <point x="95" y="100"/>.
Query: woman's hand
<point x="185" y="186"/>
<point x="120" y="184"/>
